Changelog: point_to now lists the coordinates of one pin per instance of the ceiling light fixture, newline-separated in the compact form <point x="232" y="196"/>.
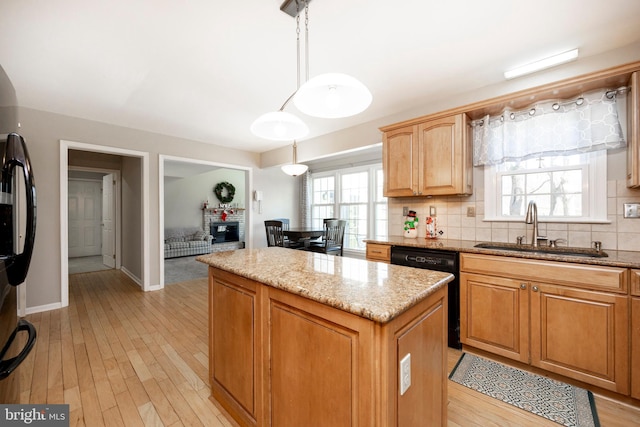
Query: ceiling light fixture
<point x="280" y="125"/>
<point x="543" y="64"/>
<point x="331" y="95"/>
<point x="295" y="168"/>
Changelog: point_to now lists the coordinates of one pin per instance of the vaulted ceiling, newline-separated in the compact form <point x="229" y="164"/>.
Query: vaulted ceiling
<point x="204" y="70"/>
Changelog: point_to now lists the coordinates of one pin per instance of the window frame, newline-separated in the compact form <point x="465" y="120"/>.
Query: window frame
<point x="372" y="201"/>
<point x="594" y="193"/>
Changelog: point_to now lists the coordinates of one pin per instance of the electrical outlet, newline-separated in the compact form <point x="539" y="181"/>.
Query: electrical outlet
<point x="432" y="211"/>
<point x="405" y="210"/>
<point x="471" y="211"/>
<point x="631" y="210"/>
<point x="405" y="373"/>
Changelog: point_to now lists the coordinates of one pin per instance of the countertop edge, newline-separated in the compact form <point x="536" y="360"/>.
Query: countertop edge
<point x="621" y="259"/>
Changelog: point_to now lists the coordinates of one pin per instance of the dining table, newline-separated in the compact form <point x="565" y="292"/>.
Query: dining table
<point x="303" y="234"/>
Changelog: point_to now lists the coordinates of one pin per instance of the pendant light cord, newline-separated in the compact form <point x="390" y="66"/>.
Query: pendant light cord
<point x="306" y="40"/>
<point x="306" y="22"/>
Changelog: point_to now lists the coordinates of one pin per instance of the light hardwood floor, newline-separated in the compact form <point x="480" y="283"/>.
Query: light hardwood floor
<point x="120" y="356"/>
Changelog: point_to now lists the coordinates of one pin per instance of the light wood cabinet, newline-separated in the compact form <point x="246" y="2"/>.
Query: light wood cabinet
<point x="635" y="347"/>
<point x="430" y="158"/>
<point x="279" y="359"/>
<point x="633" y="132"/>
<point x="635" y="334"/>
<point x="378" y="252"/>
<point x="635" y="282"/>
<point x="565" y="318"/>
<point x="494" y="315"/>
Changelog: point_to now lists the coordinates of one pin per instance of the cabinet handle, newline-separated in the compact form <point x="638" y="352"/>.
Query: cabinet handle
<point x="523" y="286"/>
<point x="535" y="289"/>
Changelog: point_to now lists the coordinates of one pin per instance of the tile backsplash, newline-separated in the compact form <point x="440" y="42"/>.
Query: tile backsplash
<point x="620" y="234"/>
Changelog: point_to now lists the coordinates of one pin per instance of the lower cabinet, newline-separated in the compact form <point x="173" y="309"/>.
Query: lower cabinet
<point x="635" y="347"/>
<point x="635" y="334"/>
<point x="581" y="334"/>
<point x="278" y="359"/>
<point x="554" y="325"/>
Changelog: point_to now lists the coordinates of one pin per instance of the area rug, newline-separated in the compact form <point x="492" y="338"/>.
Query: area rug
<point x="182" y="269"/>
<point x="556" y="401"/>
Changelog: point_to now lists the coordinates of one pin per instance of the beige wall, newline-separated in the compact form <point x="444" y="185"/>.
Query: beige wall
<point x="43" y="132"/>
<point x="183" y="197"/>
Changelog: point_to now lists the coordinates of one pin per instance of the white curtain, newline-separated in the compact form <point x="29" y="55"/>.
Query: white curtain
<point x="305" y="199"/>
<point x="588" y="123"/>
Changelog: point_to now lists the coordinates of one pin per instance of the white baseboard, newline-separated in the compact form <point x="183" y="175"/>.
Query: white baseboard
<point x="132" y="276"/>
<point x="41" y="308"/>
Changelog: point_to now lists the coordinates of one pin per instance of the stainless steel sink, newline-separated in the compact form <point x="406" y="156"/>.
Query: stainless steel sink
<point x="562" y="251"/>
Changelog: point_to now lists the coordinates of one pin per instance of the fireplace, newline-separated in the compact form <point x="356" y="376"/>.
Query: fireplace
<point x="224" y="231"/>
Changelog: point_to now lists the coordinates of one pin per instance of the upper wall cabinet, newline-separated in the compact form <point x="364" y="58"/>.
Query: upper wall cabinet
<point x="430" y="158"/>
<point x="633" y="132"/>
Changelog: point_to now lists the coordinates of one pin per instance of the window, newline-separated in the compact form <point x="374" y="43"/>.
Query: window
<point x="565" y="188"/>
<point x="360" y="202"/>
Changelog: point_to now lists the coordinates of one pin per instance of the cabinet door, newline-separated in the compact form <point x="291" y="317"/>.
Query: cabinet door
<point x="633" y="132"/>
<point x="494" y="315"/>
<point x="635" y="348"/>
<point x="581" y="334"/>
<point x="400" y="162"/>
<point x="234" y="345"/>
<point x="320" y="364"/>
<point x="443" y="157"/>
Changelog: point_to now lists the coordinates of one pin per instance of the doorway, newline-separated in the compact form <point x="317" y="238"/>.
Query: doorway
<point x="93" y="219"/>
<point x="134" y="234"/>
<point x="171" y="168"/>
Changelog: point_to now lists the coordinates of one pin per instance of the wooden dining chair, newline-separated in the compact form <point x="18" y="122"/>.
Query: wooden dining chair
<point x="332" y="238"/>
<point x="275" y="236"/>
<point x="285" y="222"/>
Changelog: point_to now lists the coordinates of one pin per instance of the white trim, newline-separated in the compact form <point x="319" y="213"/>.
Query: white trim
<point x="135" y="278"/>
<point x="43" y="308"/>
<point x="65" y="146"/>
<point x="162" y="158"/>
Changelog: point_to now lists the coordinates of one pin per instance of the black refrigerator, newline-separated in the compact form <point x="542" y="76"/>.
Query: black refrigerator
<point x="17" y="208"/>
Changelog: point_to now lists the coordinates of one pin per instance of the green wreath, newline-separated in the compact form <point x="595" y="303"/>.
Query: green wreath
<point x="231" y="191"/>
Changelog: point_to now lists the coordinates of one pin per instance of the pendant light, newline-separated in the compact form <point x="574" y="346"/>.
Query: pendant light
<point x="295" y="168"/>
<point x="331" y="95"/>
<point x="280" y="125"/>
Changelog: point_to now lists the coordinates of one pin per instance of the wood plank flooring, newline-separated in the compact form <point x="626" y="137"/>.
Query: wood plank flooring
<point x="119" y="356"/>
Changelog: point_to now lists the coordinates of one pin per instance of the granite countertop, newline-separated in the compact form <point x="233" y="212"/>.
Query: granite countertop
<point x="373" y="290"/>
<point x="624" y="259"/>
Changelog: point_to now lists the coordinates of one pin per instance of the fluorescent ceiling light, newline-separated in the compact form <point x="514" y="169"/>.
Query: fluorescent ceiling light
<point x="549" y="62"/>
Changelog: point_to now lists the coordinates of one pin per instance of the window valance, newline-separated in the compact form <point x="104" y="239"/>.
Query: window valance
<point x="588" y="123"/>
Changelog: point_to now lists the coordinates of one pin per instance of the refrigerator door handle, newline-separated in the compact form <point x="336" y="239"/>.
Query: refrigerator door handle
<point x="17" y="155"/>
<point x="9" y="365"/>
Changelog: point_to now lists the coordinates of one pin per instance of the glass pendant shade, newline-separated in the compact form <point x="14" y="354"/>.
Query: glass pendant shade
<point x="279" y="126"/>
<point x="294" y="169"/>
<point x="332" y="95"/>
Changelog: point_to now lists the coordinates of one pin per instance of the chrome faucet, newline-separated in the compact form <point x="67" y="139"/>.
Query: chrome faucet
<point x="532" y="218"/>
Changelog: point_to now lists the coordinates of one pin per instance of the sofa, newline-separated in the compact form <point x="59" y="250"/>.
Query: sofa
<point x="186" y="241"/>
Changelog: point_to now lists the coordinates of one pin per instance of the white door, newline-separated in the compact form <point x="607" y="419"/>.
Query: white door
<point x="108" y="215"/>
<point x="85" y="209"/>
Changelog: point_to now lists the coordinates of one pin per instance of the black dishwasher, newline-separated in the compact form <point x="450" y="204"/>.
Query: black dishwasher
<point x="438" y="260"/>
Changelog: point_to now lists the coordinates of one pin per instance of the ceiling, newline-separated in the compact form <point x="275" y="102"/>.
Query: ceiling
<point x="205" y="69"/>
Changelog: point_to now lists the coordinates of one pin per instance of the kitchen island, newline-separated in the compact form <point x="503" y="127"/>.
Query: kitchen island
<point x="298" y="338"/>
